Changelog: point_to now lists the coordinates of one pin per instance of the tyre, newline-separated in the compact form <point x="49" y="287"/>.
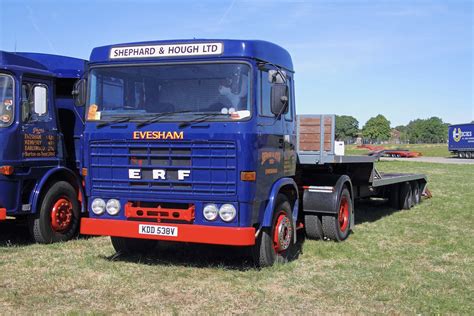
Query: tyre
<point x="131" y="246"/>
<point x="462" y="154"/>
<point x="313" y="226"/>
<point x="406" y="200"/>
<point x="337" y="227"/>
<point x="415" y="193"/>
<point x="59" y="215"/>
<point x="276" y="244"/>
<point x="394" y="198"/>
<point x="468" y="155"/>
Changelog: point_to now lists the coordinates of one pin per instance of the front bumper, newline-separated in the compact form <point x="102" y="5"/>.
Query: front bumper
<point x="3" y="214"/>
<point x="217" y="235"/>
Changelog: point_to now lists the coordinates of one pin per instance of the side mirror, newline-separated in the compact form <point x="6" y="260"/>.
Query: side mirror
<point x="79" y="92"/>
<point x="279" y="99"/>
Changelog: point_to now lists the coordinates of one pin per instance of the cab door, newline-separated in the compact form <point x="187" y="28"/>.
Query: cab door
<point x="39" y="129"/>
<point x="271" y="139"/>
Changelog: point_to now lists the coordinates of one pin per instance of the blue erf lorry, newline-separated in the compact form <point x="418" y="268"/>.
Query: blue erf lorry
<point x="198" y="141"/>
<point x="40" y="130"/>
<point x="461" y="140"/>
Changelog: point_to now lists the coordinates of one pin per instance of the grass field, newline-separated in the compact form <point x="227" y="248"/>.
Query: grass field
<point x="428" y="150"/>
<point x="416" y="261"/>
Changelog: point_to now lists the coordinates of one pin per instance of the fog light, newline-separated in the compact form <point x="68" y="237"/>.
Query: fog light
<point x="227" y="212"/>
<point x="210" y="212"/>
<point x="113" y="207"/>
<point x="98" y="206"/>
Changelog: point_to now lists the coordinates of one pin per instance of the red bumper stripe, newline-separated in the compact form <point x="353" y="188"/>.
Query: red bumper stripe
<point x="232" y="236"/>
<point x="3" y="214"/>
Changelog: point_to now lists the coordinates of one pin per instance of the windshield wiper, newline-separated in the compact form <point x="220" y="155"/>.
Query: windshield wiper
<point x="156" y="117"/>
<point x="204" y="117"/>
<point x="121" y="119"/>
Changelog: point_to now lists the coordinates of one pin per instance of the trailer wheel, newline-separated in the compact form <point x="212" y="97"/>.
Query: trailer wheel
<point x="406" y="196"/>
<point x="276" y="244"/>
<point x="416" y="194"/>
<point x="313" y="226"/>
<point x="394" y="198"/>
<point x="59" y="215"/>
<point x="337" y="227"/>
<point x="468" y="155"/>
<point x="131" y="246"/>
<point x="462" y="154"/>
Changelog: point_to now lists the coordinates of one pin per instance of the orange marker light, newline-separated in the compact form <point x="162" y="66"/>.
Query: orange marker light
<point x="248" y="176"/>
<point x="7" y="170"/>
<point x="84" y="172"/>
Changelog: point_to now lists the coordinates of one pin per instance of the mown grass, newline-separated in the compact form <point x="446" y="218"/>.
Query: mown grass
<point x="416" y="261"/>
<point x="427" y="150"/>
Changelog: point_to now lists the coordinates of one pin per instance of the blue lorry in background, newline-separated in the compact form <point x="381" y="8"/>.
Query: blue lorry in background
<point x="461" y="140"/>
<point x="198" y="141"/>
<point x="40" y="136"/>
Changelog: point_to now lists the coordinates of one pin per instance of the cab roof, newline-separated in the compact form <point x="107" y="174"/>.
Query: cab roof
<point x="256" y="49"/>
<point x="46" y="64"/>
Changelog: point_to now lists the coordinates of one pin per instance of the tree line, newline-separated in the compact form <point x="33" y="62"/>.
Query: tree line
<point x="377" y="129"/>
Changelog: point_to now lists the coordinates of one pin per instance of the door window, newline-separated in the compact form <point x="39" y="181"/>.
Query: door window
<point x="34" y="102"/>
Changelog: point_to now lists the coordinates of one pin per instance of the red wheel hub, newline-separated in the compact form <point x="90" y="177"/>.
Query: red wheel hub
<point x="283" y="232"/>
<point x="61" y="215"/>
<point x="344" y="214"/>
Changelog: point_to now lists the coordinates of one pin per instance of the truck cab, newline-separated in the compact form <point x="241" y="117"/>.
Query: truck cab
<point x="197" y="141"/>
<point x="196" y="134"/>
<point x="40" y="132"/>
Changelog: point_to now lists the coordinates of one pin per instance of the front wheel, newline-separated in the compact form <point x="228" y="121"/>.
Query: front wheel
<point x="276" y="243"/>
<point x="59" y="215"/>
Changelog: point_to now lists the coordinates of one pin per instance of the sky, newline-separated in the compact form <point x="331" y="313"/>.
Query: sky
<point x="402" y="59"/>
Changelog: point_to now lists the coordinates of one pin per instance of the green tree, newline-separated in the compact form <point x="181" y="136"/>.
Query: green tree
<point x="403" y="133"/>
<point x="347" y="127"/>
<point x="432" y="130"/>
<point x="377" y="129"/>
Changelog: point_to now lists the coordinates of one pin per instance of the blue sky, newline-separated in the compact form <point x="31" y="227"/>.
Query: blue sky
<point x="403" y="59"/>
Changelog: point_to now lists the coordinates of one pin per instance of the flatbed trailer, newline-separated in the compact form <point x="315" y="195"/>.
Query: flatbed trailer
<point x="322" y="173"/>
<point x="200" y="142"/>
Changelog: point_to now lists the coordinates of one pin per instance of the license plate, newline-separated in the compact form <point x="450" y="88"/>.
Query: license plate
<point x="158" y="230"/>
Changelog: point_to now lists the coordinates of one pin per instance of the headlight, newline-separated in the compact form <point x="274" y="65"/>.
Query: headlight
<point x="210" y="212"/>
<point x="227" y="212"/>
<point x="113" y="207"/>
<point x="98" y="206"/>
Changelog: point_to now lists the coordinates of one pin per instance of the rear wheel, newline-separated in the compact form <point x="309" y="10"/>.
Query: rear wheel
<point x="416" y="193"/>
<point x="133" y="245"/>
<point x="468" y="155"/>
<point x="394" y="198"/>
<point x="313" y="226"/>
<point x="462" y="154"/>
<point x="406" y="200"/>
<point x="337" y="227"/>
<point x="276" y="243"/>
<point x="59" y="215"/>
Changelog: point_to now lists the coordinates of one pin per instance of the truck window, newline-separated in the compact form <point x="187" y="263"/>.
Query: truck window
<point x="185" y="89"/>
<point x="289" y="113"/>
<point x="6" y="100"/>
<point x="34" y="102"/>
<point x="265" y="95"/>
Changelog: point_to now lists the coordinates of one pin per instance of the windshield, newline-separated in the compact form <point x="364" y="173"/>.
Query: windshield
<point x="6" y="100"/>
<point x="181" y="91"/>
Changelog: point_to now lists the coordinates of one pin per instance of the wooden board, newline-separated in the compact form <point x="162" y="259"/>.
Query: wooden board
<point x="309" y="138"/>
